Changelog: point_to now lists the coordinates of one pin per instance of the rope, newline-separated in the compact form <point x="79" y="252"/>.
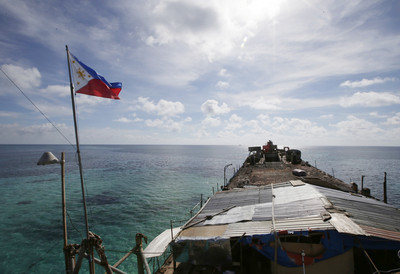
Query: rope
<point x="369" y="258"/>
<point x="388" y="271"/>
<point x="77" y="230"/>
<point x="41" y="259"/>
<point x="366" y="254"/>
<point x="44" y="115"/>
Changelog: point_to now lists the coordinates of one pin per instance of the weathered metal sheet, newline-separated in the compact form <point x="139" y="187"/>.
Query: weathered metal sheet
<point x="301" y="224"/>
<point x="234" y="215"/>
<point x="203" y="232"/>
<point x="236" y="199"/>
<point x="344" y="224"/>
<point x="250" y="228"/>
<point x="286" y="195"/>
<point x="263" y="212"/>
<point x="158" y="246"/>
<point x="381" y="233"/>
<point x="364" y="211"/>
<point x="300" y="207"/>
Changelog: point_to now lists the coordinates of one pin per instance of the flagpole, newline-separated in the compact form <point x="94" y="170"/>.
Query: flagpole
<point x="79" y="158"/>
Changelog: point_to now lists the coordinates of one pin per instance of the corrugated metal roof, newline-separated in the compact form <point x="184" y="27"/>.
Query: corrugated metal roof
<point x="298" y="207"/>
<point x="365" y="211"/>
<point x="285" y="195"/>
<point x="299" y="201"/>
<point x="250" y="228"/>
<point x="235" y="198"/>
<point x="263" y="212"/>
<point x="381" y="233"/>
<point x="305" y="223"/>
<point x="234" y="215"/>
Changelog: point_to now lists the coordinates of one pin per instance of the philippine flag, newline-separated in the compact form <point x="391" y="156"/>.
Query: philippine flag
<point x="87" y="81"/>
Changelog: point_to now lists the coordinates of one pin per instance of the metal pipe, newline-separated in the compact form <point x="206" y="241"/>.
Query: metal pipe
<point x="225" y="167"/>
<point x="114" y="269"/>
<point x="384" y="189"/>
<point x="303" y="254"/>
<point x="91" y="263"/>
<point x="123" y="259"/>
<point x="172" y="230"/>
<point x="64" y="208"/>
<point x="141" y="259"/>
<point x="362" y="182"/>
<point x="146" y="264"/>
<point x="68" y="265"/>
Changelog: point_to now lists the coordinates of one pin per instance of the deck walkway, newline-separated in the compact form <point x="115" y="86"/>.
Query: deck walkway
<point x="265" y="173"/>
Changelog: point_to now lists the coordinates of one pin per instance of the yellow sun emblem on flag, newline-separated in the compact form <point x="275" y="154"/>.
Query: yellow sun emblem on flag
<point x="81" y="74"/>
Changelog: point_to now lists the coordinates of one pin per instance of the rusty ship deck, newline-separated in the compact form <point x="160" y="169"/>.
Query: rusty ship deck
<point x="269" y="220"/>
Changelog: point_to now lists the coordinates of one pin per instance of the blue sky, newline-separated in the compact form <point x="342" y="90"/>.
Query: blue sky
<point x="205" y="72"/>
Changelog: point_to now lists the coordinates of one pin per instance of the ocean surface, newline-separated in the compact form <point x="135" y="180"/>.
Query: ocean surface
<point x="137" y="188"/>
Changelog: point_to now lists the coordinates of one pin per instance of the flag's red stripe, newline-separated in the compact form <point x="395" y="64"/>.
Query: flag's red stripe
<point x="96" y="87"/>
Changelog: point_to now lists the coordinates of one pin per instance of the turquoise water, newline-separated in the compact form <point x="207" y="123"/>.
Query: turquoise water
<point x="133" y="189"/>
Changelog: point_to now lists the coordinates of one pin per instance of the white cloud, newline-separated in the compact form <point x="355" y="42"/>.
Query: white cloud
<point x="370" y="99"/>
<point x="222" y="84"/>
<point x="55" y="110"/>
<point x="254" y="127"/>
<point x="181" y="21"/>
<point x="24" y="78"/>
<point x="224" y="73"/>
<point x="377" y="115"/>
<point x="395" y="120"/>
<point x="356" y="127"/>
<point x="215" y="29"/>
<point x="201" y="134"/>
<point x="366" y="82"/>
<point x="123" y="120"/>
<point x="212" y="107"/>
<point x="166" y="123"/>
<point x="327" y="116"/>
<point x="273" y="103"/>
<point x="162" y="108"/>
<point x="264" y="119"/>
<point x="235" y="119"/>
<point x="154" y="123"/>
<point x="56" y="90"/>
<point x="211" y="122"/>
<point x="168" y="108"/>
<point x="234" y="123"/>
<point x="9" y="114"/>
<point x="302" y="127"/>
<point x="88" y="100"/>
<point x="42" y="128"/>
<point x="35" y="133"/>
